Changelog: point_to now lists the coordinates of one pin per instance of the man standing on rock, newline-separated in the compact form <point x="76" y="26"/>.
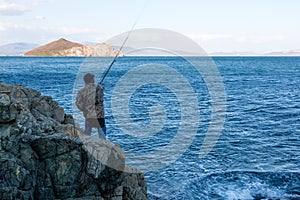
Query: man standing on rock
<point x="89" y="100"/>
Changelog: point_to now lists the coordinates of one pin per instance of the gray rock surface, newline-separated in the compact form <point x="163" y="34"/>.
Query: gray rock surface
<point x="43" y="157"/>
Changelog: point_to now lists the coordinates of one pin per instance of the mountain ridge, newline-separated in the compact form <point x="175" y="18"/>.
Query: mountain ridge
<point x="16" y="49"/>
<point x="52" y="47"/>
<point x="63" y="47"/>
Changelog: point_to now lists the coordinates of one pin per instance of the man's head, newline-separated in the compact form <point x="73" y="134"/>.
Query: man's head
<point x="88" y="78"/>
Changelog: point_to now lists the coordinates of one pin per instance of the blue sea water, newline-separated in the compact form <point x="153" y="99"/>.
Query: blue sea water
<point x="257" y="155"/>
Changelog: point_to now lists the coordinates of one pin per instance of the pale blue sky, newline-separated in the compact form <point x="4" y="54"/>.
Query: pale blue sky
<point x="216" y="25"/>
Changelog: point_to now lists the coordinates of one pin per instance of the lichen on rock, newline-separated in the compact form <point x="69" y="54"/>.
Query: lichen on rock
<point x="43" y="157"/>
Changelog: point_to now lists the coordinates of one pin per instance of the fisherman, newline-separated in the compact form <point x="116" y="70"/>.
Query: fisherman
<point x="89" y="100"/>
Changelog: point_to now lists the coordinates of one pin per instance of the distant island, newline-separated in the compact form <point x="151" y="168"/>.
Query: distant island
<point x="279" y="53"/>
<point x="16" y="49"/>
<point x="285" y="53"/>
<point x="63" y="47"/>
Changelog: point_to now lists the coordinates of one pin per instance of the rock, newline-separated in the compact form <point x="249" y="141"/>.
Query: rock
<point x="4" y="100"/>
<point x="104" y="49"/>
<point x="8" y="111"/>
<point x="101" y="50"/>
<point x="77" y="51"/>
<point x="43" y="155"/>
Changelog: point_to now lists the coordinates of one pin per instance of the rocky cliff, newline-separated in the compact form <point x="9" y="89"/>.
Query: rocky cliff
<point x="63" y="47"/>
<point x="43" y="157"/>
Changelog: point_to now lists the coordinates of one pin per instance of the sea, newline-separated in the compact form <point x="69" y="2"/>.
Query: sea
<point x="199" y="128"/>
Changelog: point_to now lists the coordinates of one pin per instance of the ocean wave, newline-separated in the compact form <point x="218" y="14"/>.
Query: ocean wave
<point x="234" y="185"/>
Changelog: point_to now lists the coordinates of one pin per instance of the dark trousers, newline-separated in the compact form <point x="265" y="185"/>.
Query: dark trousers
<point x="95" y="123"/>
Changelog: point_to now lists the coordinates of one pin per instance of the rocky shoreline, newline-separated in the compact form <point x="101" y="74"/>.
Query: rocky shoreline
<point x="45" y="156"/>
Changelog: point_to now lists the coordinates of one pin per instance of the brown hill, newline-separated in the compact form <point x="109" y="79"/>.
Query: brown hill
<point x="63" y="47"/>
<point x="53" y="48"/>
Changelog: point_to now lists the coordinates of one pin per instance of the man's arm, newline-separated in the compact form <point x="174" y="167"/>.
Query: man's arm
<point x="79" y="101"/>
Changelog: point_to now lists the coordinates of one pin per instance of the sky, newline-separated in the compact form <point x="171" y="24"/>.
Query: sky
<point x="216" y="25"/>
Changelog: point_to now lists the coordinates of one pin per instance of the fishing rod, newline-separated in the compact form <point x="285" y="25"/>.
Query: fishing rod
<point x="116" y="56"/>
<point x="123" y="44"/>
